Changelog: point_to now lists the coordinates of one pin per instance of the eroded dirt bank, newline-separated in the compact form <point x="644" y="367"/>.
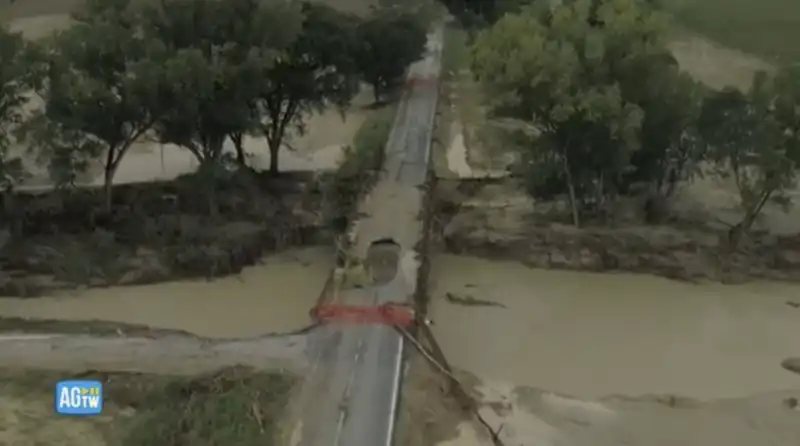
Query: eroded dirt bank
<point x="494" y="218"/>
<point x="526" y="416"/>
<point x="157" y="232"/>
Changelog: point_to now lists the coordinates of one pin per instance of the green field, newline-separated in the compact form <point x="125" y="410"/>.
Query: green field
<point x="768" y="28"/>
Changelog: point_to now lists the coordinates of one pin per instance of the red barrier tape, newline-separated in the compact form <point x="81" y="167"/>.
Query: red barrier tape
<point x="389" y="314"/>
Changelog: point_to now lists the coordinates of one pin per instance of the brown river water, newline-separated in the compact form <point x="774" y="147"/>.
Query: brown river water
<point x="275" y="296"/>
<point x="582" y="334"/>
<point x="592" y="335"/>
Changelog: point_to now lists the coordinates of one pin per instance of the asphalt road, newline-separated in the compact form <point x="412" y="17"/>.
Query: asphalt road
<point x="353" y="390"/>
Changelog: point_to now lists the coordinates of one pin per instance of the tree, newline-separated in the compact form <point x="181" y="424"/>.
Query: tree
<point x="65" y="151"/>
<point x="217" y="58"/>
<point x="670" y="145"/>
<point x="391" y="39"/>
<point x="562" y="68"/>
<point x="227" y="48"/>
<point x="317" y="71"/>
<point x="102" y="85"/>
<point x="219" y="53"/>
<point x="483" y="12"/>
<point x="16" y="78"/>
<point x="754" y="138"/>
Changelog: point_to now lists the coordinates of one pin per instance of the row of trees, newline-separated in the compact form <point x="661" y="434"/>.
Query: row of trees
<point x="614" y="112"/>
<point x="192" y="73"/>
<point x="477" y="13"/>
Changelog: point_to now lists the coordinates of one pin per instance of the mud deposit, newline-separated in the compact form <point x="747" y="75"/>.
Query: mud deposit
<point x="592" y="335"/>
<point x="496" y="219"/>
<point x="533" y="417"/>
<point x="275" y="296"/>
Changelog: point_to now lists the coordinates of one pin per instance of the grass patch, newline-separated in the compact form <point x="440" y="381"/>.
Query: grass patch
<point x="232" y="407"/>
<point x="366" y="153"/>
<point x="768" y="28"/>
<point x="361" y="163"/>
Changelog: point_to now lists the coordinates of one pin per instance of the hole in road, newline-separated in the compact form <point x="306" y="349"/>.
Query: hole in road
<point x="383" y="256"/>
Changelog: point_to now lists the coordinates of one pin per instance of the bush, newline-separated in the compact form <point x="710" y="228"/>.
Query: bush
<point x="366" y="154"/>
<point x="361" y="163"/>
<point x="78" y="262"/>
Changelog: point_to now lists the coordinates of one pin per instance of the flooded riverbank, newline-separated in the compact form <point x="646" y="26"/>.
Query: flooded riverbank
<point x="272" y="297"/>
<point x="593" y="335"/>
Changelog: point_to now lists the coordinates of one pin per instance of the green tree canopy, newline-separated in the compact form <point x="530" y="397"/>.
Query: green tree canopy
<point x="16" y="78"/>
<point x="316" y="71"/>
<point x="671" y="148"/>
<point x="562" y="68"/>
<point x="390" y="40"/>
<point x="483" y="12"/>
<point x="217" y="56"/>
<point x="101" y="88"/>
<point x="754" y="138"/>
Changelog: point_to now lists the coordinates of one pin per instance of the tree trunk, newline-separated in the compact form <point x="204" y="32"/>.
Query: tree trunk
<point x="108" y="192"/>
<point x="208" y="175"/>
<point x="238" y="144"/>
<point x="274" y="151"/>
<point x="735" y="236"/>
<point x="211" y="168"/>
<point x="108" y="179"/>
<point x="737" y="232"/>
<point x="573" y="200"/>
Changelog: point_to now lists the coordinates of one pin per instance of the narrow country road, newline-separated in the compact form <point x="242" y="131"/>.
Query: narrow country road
<point x="352" y="393"/>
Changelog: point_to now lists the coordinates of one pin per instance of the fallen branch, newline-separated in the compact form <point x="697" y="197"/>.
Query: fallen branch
<point x="792" y="364"/>
<point x="471" y="301"/>
<point x="256" y="410"/>
<point x="421" y="348"/>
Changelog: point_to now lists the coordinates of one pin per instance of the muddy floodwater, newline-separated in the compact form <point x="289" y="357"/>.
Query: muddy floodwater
<point x="275" y="296"/>
<point x="593" y="335"/>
